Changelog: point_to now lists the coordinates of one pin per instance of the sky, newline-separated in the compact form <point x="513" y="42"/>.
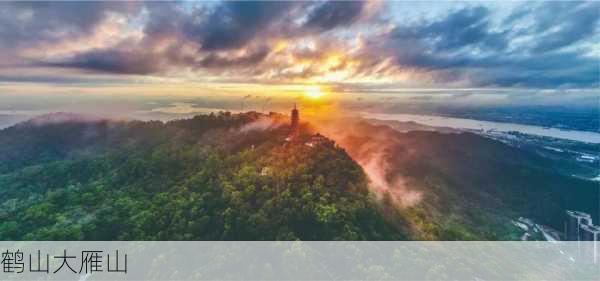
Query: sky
<point x="483" y="52"/>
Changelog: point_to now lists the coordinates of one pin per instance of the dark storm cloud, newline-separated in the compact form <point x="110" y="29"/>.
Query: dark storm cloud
<point x="164" y="18"/>
<point x="333" y="14"/>
<point x="536" y="45"/>
<point x="120" y="61"/>
<point x="58" y="79"/>
<point x="251" y="59"/>
<point x="233" y="24"/>
<point x="468" y="27"/>
<point x="228" y="26"/>
<point x="570" y="25"/>
<point x="465" y="45"/>
<point x="113" y="61"/>
<point x="551" y="70"/>
<point x="29" y="23"/>
<point x="204" y="31"/>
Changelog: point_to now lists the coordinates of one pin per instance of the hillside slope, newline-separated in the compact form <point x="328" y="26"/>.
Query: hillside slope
<point x="234" y="177"/>
<point x="213" y="177"/>
<point x="469" y="187"/>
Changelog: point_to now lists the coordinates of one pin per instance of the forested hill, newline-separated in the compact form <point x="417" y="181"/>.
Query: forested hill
<point x="470" y="186"/>
<point x="235" y="177"/>
<point x="212" y="177"/>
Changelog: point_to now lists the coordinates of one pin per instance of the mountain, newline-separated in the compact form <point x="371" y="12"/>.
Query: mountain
<point x="468" y="186"/>
<point x="212" y="177"/>
<point x="235" y="177"/>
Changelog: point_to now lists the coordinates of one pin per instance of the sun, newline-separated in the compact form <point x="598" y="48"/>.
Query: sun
<point x="314" y="92"/>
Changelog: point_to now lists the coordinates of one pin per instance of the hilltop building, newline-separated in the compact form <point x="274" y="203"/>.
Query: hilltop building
<point x="295" y="120"/>
<point x="294" y="125"/>
<point x="590" y="233"/>
<point x="316" y="139"/>
<point x="575" y="221"/>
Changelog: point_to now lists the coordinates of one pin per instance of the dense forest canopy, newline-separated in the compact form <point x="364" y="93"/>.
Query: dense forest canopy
<point x="236" y="177"/>
<point x="470" y="186"/>
<point x="213" y="177"/>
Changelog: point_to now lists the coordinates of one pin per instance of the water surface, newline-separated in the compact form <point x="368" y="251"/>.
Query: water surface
<point x="471" y="124"/>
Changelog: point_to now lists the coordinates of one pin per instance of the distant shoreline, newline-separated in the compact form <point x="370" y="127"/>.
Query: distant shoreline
<point x="472" y="124"/>
<point x="436" y="121"/>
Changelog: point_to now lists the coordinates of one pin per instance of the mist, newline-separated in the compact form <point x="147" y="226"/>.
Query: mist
<point x="261" y="124"/>
<point x="374" y="152"/>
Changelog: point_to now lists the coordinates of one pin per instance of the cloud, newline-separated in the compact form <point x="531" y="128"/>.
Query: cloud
<point x="261" y="124"/>
<point x="173" y="37"/>
<point x="58" y="79"/>
<point x="562" y="26"/>
<point x="371" y="149"/>
<point x="465" y="28"/>
<point x="249" y="59"/>
<point x="233" y="24"/>
<point x="234" y="37"/>
<point x="466" y="46"/>
<point x="25" y="23"/>
<point x="330" y="15"/>
<point x="113" y="61"/>
<point x="535" y="45"/>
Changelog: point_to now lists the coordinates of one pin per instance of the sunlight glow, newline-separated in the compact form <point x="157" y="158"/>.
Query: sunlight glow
<point x="314" y="92"/>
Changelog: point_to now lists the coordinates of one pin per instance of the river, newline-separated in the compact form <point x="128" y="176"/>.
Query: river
<point x="461" y="123"/>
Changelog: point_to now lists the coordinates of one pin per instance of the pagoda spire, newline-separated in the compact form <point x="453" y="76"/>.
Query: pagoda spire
<point x="295" y="121"/>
